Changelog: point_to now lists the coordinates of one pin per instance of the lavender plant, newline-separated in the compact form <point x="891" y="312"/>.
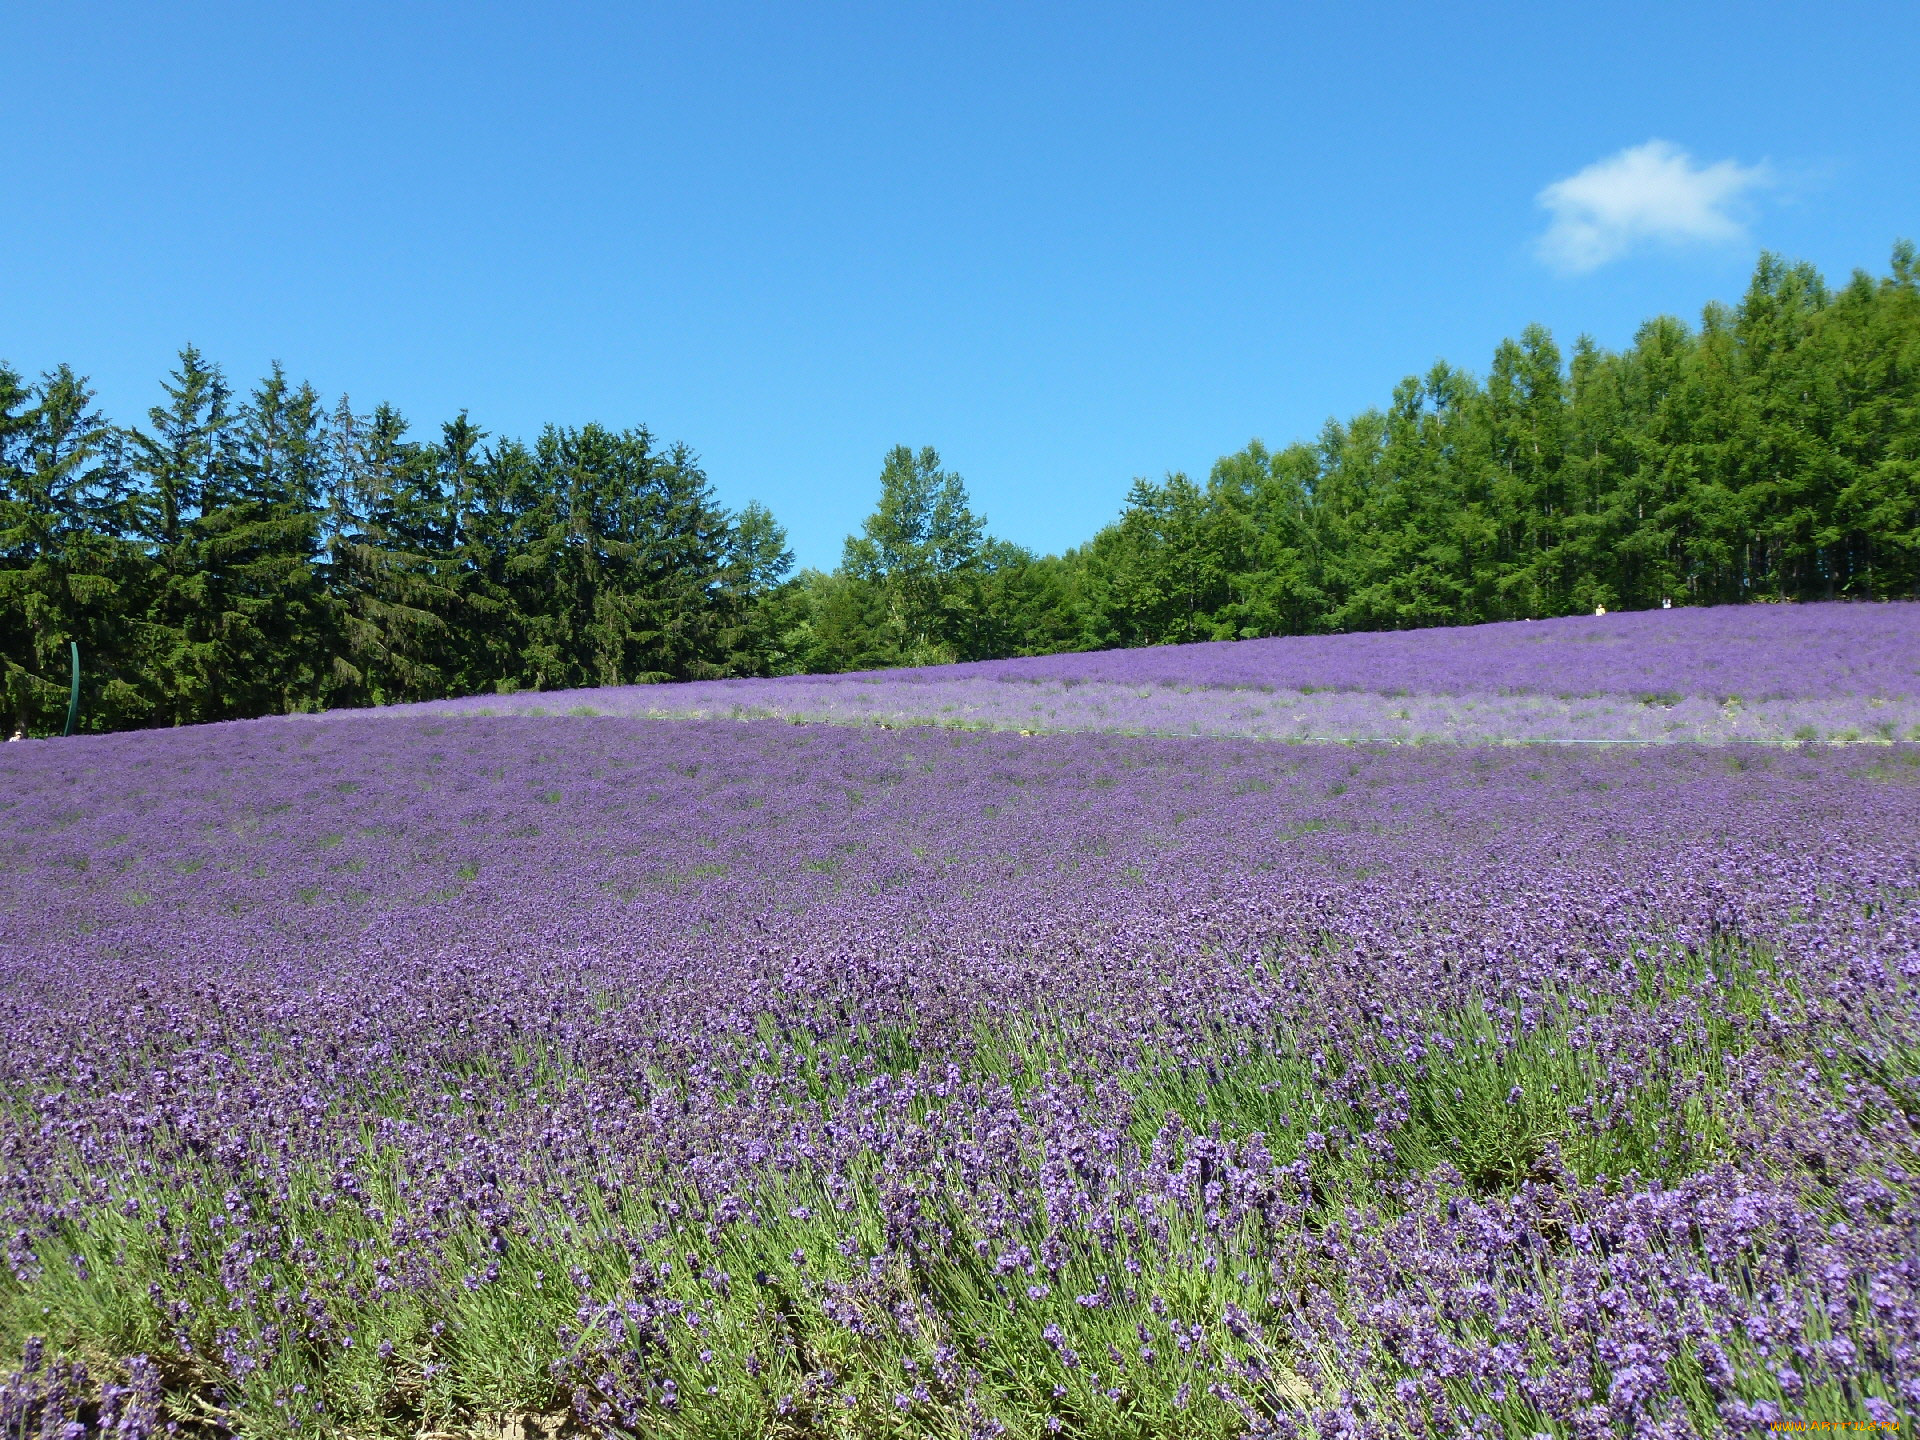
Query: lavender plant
<point x="382" y="1074"/>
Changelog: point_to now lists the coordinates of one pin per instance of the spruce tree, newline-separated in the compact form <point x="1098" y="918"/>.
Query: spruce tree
<point x="390" y="561"/>
<point x="268" y="531"/>
<point x="184" y="472"/>
<point x="63" y="564"/>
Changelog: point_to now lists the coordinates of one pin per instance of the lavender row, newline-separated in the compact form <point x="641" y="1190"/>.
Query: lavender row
<point x="1314" y="716"/>
<point x="1838" y="656"/>
<point x="1758" y="652"/>
<point x="1821" y="674"/>
<point x="386" y="1073"/>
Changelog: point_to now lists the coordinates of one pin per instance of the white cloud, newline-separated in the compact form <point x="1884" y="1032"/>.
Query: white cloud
<point x="1651" y="192"/>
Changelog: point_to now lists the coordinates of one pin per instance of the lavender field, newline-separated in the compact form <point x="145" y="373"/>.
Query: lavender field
<point x="440" y="1072"/>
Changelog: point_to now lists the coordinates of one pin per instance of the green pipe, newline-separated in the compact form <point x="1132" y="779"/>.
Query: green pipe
<point x="73" y="696"/>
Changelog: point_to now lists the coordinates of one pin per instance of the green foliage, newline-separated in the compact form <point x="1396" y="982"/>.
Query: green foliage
<point x="236" y="559"/>
<point x="918" y="545"/>
<point x="61" y="564"/>
<point x="618" y="562"/>
<point x="1773" y="453"/>
<point x="922" y="584"/>
<point x="244" y="558"/>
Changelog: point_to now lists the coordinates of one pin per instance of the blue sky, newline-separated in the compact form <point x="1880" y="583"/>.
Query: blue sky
<point x="1067" y="245"/>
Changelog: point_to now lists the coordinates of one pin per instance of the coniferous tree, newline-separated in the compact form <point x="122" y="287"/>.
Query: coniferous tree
<point x="617" y="561"/>
<point x="269" y="524"/>
<point x="477" y="485"/>
<point x="184" y="470"/>
<point x="62" y="562"/>
<point x="1872" y="351"/>
<point x="391" y="564"/>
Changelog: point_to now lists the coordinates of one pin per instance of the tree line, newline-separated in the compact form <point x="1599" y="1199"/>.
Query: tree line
<point x="244" y="555"/>
<point x="1770" y="452"/>
<point x="249" y="555"/>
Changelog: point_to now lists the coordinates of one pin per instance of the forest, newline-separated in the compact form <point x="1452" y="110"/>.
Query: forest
<point x="243" y="554"/>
